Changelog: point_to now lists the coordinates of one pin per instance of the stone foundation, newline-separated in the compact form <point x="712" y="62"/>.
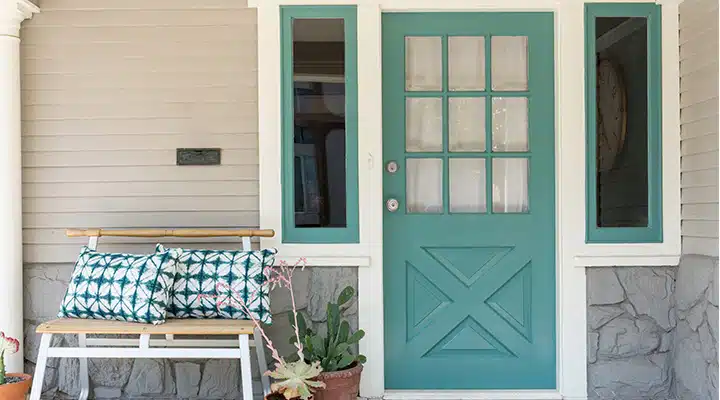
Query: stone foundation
<point x="695" y="352"/>
<point x="169" y="379"/>
<point x="630" y="332"/>
<point x="652" y="331"/>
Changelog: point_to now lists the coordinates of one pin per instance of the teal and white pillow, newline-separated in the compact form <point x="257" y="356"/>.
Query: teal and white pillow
<point x="117" y="286"/>
<point x="213" y="283"/>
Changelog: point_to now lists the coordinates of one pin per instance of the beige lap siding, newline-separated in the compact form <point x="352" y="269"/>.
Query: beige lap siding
<point x="110" y="89"/>
<point x="699" y="125"/>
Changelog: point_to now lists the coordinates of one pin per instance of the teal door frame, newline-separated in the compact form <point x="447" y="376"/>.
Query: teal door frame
<point x="447" y="325"/>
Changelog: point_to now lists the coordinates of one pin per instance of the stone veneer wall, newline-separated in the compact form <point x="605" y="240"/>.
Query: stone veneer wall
<point x="695" y="348"/>
<point x="169" y="379"/>
<point x="631" y="325"/>
<point x="652" y="331"/>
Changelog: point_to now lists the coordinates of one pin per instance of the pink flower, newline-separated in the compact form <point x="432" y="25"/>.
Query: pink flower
<point x="8" y="344"/>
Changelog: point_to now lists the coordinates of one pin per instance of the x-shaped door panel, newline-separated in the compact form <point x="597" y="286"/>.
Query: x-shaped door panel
<point x="440" y="292"/>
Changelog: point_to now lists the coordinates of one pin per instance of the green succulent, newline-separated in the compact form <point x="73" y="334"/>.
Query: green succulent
<point x="296" y="379"/>
<point x="334" y="351"/>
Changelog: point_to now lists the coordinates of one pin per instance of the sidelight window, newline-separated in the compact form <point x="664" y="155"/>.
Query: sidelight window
<point x="319" y="131"/>
<point x="624" y="194"/>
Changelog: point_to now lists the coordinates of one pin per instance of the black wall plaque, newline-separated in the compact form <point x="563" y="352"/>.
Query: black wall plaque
<point x="198" y="157"/>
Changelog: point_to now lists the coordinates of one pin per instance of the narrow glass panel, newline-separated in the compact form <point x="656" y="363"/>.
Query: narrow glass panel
<point x="424" y="185"/>
<point x="423" y="124"/>
<point x="622" y="122"/>
<point x="319" y="131"/>
<point x="467" y="185"/>
<point x="510" y="185"/>
<point x="509" y="69"/>
<point x="423" y="63"/>
<point x="510" y="124"/>
<point x="466" y="62"/>
<point x="467" y="123"/>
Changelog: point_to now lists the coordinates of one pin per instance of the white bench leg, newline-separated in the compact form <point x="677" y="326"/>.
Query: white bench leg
<point x="145" y="341"/>
<point x="245" y="370"/>
<point x="262" y="364"/>
<point x="84" y="376"/>
<point x="40" y="366"/>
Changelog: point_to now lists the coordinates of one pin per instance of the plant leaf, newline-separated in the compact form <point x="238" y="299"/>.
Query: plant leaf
<point x="361" y="359"/>
<point x="331" y="351"/>
<point x="342" y="348"/>
<point x="356" y="337"/>
<point x="302" y="325"/>
<point x="308" y="347"/>
<point x="345" y="361"/>
<point x="317" y="346"/>
<point x="331" y="366"/>
<point x="343" y="332"/>
<point x="346" y="295"/>
<point x="333" y="320"/>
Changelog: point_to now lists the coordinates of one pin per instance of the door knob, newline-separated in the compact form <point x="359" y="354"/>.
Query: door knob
<point x="392" y="167"/>
<point x="392" y="205"/>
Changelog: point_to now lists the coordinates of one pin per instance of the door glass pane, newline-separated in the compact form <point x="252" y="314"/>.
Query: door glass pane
<point x="510" y="185"/>
<point x="423" y="124"/>
<point x="423" y="63"/>
<point x="466" y="117"/>
<point x="509" y="69"/>
<point x="424" y="185"/>
<point x="622" y="123"/>
<point x="467" y="185"/>
<point x="466" y="62"/>
<point x="510" y="124"/>
<point x="319" y="117"/>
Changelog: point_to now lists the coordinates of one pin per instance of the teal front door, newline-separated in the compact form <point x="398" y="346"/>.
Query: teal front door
<point x="469" y="183"/>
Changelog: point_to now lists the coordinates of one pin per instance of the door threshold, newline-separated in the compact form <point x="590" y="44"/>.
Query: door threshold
<point x="472" y="395"/>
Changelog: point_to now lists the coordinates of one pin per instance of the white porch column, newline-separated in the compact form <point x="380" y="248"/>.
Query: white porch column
<point x="12" y="13"/>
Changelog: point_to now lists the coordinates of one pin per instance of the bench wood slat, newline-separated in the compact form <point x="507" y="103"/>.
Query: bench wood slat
<point x="171" y="326"/>
<point x="193" y="233"/>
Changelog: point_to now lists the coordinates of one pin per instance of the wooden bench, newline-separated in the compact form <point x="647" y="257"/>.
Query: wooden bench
<point x="155" y="341"/>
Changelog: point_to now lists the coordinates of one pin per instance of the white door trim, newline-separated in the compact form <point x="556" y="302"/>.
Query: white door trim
<point x="570" y="179"/>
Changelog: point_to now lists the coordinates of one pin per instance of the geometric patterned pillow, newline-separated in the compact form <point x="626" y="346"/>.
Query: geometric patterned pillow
<point x="117" y="286"/>
<point x="213" y="283"/>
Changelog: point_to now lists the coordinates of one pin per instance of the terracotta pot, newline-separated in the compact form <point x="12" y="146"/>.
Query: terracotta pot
<point x="340" y="385"/>
<point x="17" y="390"/>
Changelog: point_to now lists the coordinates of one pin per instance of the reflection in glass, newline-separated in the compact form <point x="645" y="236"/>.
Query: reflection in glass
<point x="510" y="185"/>
<point x="424" y="185"/>
<point x="467" y="185"/>
<point x="509" y="69"/>
<point x="622" y="123"/>
<point x="467" y="123"/>
<point x="423" y="124"/>
<point x="466" y="62"/>
<point x="423" y="63"/>
<point x="510" y="124"/>
<point x="319" y="129"/>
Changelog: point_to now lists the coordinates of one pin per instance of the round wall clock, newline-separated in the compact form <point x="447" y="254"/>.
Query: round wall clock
<point x="611" y="114"/>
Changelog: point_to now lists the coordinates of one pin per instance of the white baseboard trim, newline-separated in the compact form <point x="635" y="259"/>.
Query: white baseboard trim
<point x="473" y="395"/>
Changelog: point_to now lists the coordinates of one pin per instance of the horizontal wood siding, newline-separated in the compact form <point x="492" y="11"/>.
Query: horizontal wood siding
<point x="699" y="125"/>
<point x="110" y="89"/>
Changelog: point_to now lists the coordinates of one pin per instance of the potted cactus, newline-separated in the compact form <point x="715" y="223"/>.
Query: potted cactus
<point x="12" y="386"/>
<point x="341" y="368"/>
